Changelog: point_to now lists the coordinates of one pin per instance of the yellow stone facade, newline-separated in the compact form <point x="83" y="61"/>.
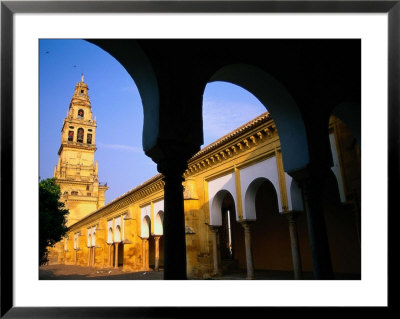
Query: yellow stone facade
<point x="127" y="232"/>
<point x="76" y="172"/>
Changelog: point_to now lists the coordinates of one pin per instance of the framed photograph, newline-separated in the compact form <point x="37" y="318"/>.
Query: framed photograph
<point x="342" y="31"/>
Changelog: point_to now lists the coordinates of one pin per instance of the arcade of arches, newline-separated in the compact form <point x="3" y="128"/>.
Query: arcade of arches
<point x="251" y="200"/>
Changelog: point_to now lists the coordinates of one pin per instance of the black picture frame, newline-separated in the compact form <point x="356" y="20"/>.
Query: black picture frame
<point x="9" y="8"/>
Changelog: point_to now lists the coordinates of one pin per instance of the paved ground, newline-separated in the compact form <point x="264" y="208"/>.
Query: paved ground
<point x="71" y="272"/>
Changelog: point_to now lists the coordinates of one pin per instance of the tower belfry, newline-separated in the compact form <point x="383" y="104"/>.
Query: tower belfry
<point x="76" y="172"/>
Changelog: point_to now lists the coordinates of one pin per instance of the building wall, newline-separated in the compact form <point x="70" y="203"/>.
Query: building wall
<point x="233" y="165"/>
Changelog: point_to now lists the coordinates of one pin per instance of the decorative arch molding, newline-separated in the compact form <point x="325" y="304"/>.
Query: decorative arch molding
<point x="131" y="56"/>
<point x="250" y="197"/>
<point x="110" y="235"/>
<point x="217" y="189"/>
<point x="117" y="235"/>
<point x="267" y="170"/>
<point x="216" y="205"/>
<point x="158" y="223"/>
<point x="158" y="206"/>
<point x="280" y="103"/>
<point x="145" y="227"/>
<point x="145" y="211"/>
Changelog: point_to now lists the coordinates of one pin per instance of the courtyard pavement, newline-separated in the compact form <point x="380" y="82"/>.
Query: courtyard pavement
<point x="73" y="272"/>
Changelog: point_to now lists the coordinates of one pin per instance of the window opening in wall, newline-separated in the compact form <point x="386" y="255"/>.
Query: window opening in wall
<point x="74" y="193"/>
<point x="89" y="194"/>
<point x="80" y="135"/>
<point x="81" y="113"/>
<point x="70" y="136"/>
<point x="89" y="138"/>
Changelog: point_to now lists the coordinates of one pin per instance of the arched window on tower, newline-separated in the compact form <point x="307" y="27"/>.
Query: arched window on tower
<point x="80" y="135"/>
<point x="89" y="138"/>
<point x="70" y="136"/>
<point x="81" y="113"/>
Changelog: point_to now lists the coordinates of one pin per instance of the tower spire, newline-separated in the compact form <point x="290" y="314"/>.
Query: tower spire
<point x="82" y="78"/>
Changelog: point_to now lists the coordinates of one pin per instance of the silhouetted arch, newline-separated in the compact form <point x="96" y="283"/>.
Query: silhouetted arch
<point x="279" y="102"/>
<point x="131" y="56"/>
<point x="331" y="189"/>
<point x="296" y="196"/>
<point x="350" y="114"/>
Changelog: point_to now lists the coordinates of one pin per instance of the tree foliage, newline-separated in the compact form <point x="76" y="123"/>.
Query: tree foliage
<point x="52" y="217"/>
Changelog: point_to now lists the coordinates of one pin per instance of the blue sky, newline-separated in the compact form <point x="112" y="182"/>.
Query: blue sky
<point x="117" y="106"/>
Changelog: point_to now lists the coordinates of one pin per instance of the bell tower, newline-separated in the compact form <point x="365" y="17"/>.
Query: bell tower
<point x="76" y="172"/>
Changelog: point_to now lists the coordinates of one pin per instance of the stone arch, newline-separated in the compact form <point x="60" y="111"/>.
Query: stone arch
<point x="94" y="239"/>
<point x="110" y="235"/>
<point x="117" y="235"/>
<point x="280" y="103"/>
<point x="250" y="197"/>
<point x="158" y="223"/>
<point x="216" y="214"/>
<point x="145" y="227"/>
<point x="80" y="134"/>
<point x="350" y="114"/>
<point x="135" y="61"/>
<point x="296" y="197"/>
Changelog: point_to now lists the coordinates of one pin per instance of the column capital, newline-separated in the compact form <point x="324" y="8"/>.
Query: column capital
<point x="291" y="216"/>
<point x="156" y="237"/>
<point x="246" y="224"/>
<point x="214" y="228"/>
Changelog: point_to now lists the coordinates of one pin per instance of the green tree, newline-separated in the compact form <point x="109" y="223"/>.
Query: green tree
<point x="52" y="217"/>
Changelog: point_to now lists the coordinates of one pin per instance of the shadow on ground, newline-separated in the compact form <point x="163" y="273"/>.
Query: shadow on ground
<point x="73" y="272"/>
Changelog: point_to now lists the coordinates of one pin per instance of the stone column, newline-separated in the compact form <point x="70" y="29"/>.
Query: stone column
<point x="312" y="187"/>
<point x="144" y="254"/>
<point x="174" y="219"/>
<point x="216" y="253"/>
<point x="157" y="252"/>
<point x="93" y="256"/>
<point x="294" y="244"/>
<point x="249" y="250"/>
<point x="109" y="255"/>
<point x="88" y="259"/>
<point x="116" y="255"/>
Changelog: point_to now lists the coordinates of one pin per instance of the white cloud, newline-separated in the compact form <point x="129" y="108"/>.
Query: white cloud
<point x="221" y="117"/>
<point x="120" y="147"/>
